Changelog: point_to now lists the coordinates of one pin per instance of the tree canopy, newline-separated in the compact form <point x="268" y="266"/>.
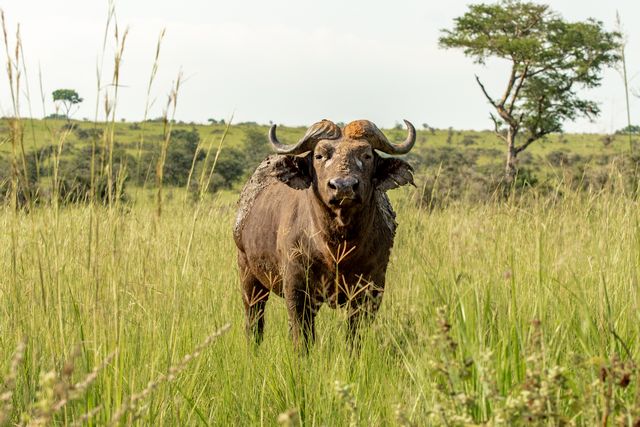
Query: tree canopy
<point x="551" y="60"/>
<point x="67" y="98"/>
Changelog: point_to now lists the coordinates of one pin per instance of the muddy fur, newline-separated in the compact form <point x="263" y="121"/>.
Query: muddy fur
<point x="266" y="174"/>
<point x="316" y="228"/>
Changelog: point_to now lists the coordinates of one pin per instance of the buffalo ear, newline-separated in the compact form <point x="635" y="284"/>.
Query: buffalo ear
<point x="292" y="170"/>
<point x="392" y="173"/>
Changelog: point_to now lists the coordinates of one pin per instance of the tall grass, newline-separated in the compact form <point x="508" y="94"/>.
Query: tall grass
<point x="535" y="295"/>
<point x="513" y="312"/>
<point x="19" y="172"/>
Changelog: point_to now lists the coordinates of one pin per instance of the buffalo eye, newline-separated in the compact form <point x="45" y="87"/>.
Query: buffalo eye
<point x="323" y="154"/>
<point x="367" y="156"/>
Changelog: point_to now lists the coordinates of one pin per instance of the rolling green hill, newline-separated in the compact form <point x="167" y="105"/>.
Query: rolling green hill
<point x="450" y="164"/>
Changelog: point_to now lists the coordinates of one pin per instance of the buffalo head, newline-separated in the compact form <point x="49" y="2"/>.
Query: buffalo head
<point x="342" y="165"/>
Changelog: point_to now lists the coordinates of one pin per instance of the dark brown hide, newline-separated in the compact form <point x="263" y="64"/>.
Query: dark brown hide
<point x="317" y="227"/>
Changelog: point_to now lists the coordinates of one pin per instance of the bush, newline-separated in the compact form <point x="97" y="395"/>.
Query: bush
<point x="55" y="116"/>
<point x="469" y="140"/>
<point x="75" y="175"/>
<point x="448" y="175"/>
<point x="562" y="158"/>
<point x="235" y="165"/>
<point x="27" y="189"/>
<point x="179" y="159"/>
<point x="607" y="140"/>
<point x="93" y="133"/>
<point x="255" y="147"/>
<point x="629" y="129"/>
<point x="618" y="174"/>
<point x="230" y="168"/>
<point x="447" y="186"/>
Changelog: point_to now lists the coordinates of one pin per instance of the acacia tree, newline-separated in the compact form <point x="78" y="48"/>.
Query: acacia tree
<point x="550" y="59"/>
<point x="67" y="98"/>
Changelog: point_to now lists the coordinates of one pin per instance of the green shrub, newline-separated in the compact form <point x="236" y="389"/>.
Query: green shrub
<point x="180" y="156"/>
<point x="91" y="133"/>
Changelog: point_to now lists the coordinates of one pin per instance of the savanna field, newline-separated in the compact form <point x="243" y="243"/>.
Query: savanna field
<point x="119" y="293"/>
<point x="510" y="312"/>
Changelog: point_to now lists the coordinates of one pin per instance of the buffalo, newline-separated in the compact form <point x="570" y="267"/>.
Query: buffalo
<point x="315" y="225"/>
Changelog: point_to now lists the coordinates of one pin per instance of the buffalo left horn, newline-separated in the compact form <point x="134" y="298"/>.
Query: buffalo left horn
<point x="325" y="129"/>
<point x="381" y="143"/>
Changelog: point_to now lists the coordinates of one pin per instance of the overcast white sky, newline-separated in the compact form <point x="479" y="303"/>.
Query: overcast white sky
<point x="289" y="61"/>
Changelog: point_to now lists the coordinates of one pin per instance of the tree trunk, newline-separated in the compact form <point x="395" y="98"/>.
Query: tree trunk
<point x="68" y="110"/>
<point x="511" y="168"/>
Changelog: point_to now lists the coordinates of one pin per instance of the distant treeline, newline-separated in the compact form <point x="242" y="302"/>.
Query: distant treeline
<point x="132" y="165"/>
<point x="463" y="169"/>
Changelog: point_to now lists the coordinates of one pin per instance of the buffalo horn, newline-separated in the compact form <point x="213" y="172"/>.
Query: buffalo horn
<point x="325" y="129"/>
<point x="381" y="143"/>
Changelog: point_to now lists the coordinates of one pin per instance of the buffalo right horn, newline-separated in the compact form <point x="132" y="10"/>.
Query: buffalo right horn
<point x="325" y="129"/>
<point x="381" y="143"/>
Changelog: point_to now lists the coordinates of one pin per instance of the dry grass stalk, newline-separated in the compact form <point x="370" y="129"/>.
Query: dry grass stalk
<point x="148" y="102"/>
<point x="402" y="418"/>
<point x="345" y="393"/>
<point x="57" y="390"/>
<point x="111" y="108"/>
<point x="95" y="168"/>
<point x="131" y="405"/>
<point x="172" y="104"/>
<point x="204" y="184"/>
<point x="20" y="187"/>
<point x="289" y="418"/>
<point x="86" y="416"/>
<point x="9" y="384"/>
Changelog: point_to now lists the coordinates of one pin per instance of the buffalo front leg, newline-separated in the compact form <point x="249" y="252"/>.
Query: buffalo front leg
<point x="362" y="312"/>
<point x="302" y="312"/>
<point x="254" y="298"/>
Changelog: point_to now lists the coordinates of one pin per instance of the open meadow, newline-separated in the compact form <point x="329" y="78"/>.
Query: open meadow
<point x="499" y="313"/>
<point x="513" y="289"/>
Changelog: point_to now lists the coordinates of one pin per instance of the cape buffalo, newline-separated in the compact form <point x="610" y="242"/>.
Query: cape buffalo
<point x="315" y="225"/>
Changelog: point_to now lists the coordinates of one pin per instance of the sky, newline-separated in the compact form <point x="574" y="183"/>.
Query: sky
<point x="290" y="62"/>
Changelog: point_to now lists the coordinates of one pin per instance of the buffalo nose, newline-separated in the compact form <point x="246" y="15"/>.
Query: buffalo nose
<point x="342" y="184"/>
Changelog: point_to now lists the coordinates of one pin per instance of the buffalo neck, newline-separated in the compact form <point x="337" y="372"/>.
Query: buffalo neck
<point x="342" y="225"/>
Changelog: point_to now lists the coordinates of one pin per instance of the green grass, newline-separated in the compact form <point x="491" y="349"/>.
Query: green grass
<point x="450" y="165"/>
<point x="101" y="280"/>
<point x="38" y="131"/>
<point x="519" y="312"/>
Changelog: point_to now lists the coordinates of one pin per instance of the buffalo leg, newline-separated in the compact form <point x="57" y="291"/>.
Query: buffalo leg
<point x="254" y="297"/>
<point x="361" y="313"/>
<point x="302" y="313"/>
